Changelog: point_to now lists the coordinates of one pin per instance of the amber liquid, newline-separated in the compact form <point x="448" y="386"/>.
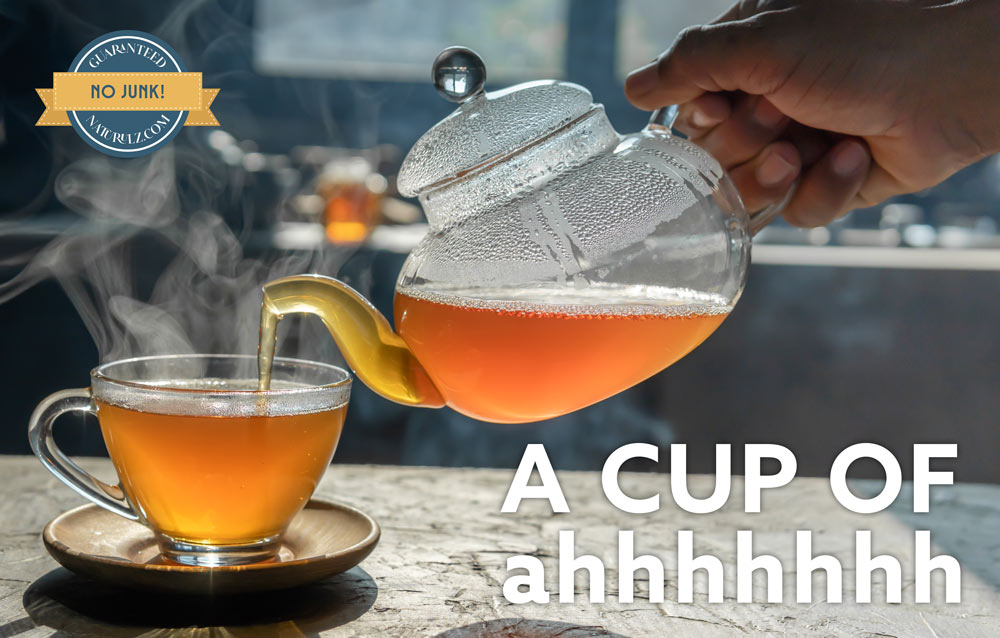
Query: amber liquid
<point x="351" y="211"/>
<point x="535" y="362"/>
<point x="219" y="480"/>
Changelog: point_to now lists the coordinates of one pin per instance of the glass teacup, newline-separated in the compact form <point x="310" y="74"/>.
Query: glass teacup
<point x="215" y="468"/>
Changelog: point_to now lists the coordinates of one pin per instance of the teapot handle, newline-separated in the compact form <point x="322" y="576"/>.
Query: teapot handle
<point x="663" y="120"/>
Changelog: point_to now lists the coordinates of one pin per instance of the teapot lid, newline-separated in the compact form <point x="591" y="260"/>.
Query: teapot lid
<point x="486" y="126"/>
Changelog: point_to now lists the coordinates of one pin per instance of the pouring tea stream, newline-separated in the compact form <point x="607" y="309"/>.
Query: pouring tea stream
<point x="564" y="262"/>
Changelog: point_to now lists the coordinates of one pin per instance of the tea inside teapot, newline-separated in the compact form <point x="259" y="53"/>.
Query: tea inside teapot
<point x="546" y="353"/>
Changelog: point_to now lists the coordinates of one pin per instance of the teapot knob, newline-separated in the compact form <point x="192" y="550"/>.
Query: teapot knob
<point x="459" y="74"/>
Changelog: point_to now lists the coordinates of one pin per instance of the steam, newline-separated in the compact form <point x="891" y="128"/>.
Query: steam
<point x="206" y="296"/>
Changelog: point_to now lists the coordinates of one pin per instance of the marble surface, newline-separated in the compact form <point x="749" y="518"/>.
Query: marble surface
<point x="439" y="568"/>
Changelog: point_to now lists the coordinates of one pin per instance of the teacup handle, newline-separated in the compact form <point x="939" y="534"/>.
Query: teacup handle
<point x="110" y="497"/>
<point x="663" y="119"/>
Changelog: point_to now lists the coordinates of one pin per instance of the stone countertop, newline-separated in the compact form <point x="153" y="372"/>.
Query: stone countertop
<point x="439" y="568"/>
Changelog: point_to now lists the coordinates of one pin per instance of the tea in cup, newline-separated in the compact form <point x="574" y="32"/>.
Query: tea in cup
<point x="214" y="467"/>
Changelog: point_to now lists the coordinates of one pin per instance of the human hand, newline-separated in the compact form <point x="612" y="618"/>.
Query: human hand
<point x="861" y="99"/>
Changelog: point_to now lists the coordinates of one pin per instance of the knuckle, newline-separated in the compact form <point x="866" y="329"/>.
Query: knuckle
<point x="690" y="40"/>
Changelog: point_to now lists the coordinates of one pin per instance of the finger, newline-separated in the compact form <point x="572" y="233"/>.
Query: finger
<point x="754" y="124"/>
<point x="731" y="56"/>
<point x="878" y="187"/>
<point x="812" y="143"/>
<point x="699" y="116"/>
<point x="766" y="178"/>
<point x="831" y="185"/>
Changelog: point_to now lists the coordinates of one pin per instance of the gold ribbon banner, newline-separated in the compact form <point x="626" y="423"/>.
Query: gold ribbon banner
<point x="127" y="92"/>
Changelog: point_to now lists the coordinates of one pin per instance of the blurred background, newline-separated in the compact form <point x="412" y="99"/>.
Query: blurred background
<point x="882" y="327"/>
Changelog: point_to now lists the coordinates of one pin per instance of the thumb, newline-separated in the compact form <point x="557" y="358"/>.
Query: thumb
<point x="731" y="56"/>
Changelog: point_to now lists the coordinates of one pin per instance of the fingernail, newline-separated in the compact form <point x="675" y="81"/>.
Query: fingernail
<point x="766" y="114"/>
<point x="642" y="80"/>
<point x="774" y="170"/>
<point x="701" y="119"/>
<point x="849" y="159"/>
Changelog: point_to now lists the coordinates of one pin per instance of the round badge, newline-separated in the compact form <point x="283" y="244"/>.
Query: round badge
<point x="124" y="133"/>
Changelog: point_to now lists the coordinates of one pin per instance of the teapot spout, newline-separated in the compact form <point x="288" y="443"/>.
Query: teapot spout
<point x="375" y="353"/>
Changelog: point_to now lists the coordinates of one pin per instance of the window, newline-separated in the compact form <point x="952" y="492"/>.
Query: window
<point x="398" y="39"/>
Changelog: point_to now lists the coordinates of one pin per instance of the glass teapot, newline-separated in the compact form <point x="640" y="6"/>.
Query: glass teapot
<point x="564" y="262"/>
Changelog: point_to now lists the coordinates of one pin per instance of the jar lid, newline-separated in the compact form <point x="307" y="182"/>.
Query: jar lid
<point x="486" y="126"/>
